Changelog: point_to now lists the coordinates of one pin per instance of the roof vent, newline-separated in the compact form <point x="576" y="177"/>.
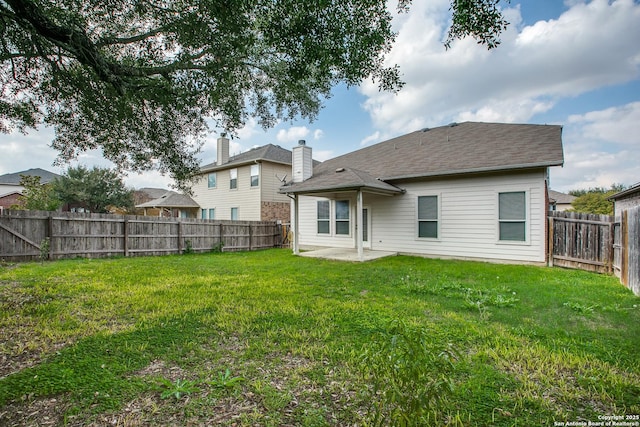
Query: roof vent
<point x="453" y="124"/>
<point x="425" y="129"/>
<point x="302" y="142"/>
<point x="339" y="170"/>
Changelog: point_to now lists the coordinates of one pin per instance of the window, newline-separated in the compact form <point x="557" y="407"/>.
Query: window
<point x="342" y="217"/>
<point x="212" y="180"/>
<point x="203" y="214"/>
<point x="233" y="178"/>
<point x="212" y="213"/>
<point x="512" y="216"/>
<point x="323" y="216"/>
<point x="428" y="216"/>
<point x="234" y="214"/>
<point x="255" y="175"/>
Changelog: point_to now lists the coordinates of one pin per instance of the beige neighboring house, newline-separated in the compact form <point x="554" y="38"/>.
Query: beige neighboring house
<point x="466" y="191"/>
<point x="11" y="190"/>
<point x="168" y="204"/>
<point x="560" y="202"/>
<point x="245" y="186"/>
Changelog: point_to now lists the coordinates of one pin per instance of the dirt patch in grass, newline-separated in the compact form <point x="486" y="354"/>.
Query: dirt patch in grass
<point x="35" y="412"/>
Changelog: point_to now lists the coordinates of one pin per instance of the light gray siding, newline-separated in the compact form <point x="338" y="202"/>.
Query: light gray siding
<point x="467" y="220"/>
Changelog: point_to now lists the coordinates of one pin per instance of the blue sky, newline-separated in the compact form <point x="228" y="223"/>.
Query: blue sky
<point x="574" y="63"/>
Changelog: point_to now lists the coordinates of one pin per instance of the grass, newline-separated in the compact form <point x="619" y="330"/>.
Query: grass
<point x="266" y="338"/>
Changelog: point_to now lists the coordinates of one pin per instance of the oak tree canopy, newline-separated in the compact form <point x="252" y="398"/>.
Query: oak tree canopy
<point x="139" y="79"/>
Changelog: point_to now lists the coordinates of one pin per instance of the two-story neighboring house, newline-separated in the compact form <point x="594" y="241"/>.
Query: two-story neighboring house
<point x="244" y="187"/>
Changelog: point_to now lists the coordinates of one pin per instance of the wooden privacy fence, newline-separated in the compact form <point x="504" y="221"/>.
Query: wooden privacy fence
<point x="583" y="241"/>
<point x="626" y="248"/>
<point x="599" y="243"/>
<point x="28" y="235"/>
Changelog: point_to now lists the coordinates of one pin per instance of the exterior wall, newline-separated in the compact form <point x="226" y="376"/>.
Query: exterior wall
<point x="9" y="200"/>
<point x="249" y="200"/>
<point x="626" y="203"/>
<point x="275" y="211"/>
<point x="467" y="221"/>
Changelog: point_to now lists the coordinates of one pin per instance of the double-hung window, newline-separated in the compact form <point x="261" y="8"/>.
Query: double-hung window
<point x="428" y="216"/>
<point x="234" y="214"/>
<point x="512" y="216"/>
<point x="255" y="175"/>
<point x="342" y="217"/>
<point x="211" y="180"/>
<point x="204" y="214"/>
<point x="212" y="213"/>
<point x="233" y="178"/>
<point x="323" y="216"/>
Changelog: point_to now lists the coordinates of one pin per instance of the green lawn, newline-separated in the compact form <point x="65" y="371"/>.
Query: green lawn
<point x="266" y="338"/>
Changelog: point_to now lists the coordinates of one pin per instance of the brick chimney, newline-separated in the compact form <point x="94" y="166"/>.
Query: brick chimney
<point x="222" y="155"/>
<point x="301" y="162"/>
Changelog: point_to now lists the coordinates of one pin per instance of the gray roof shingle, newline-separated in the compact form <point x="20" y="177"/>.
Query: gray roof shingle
<point x="170" y="199"/>
<point x="14" y="178"/>
<point x="454" y="149"/>
<point x="269" y="152"/>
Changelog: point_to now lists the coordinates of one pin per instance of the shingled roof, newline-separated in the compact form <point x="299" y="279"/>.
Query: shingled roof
<point x="14" y="178"/>
<point x="269" y="152"/>
<point x="455" y="149"/>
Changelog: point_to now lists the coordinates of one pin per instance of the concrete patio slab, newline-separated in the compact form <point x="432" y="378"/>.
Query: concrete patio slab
<point x="342" y="254"/>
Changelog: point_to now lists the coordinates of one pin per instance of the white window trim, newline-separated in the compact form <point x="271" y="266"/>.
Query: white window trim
<point x="328" y="219"/>
<point x="231" y="178"/>
<point x="417" y="219"/>
<point x="335" y="220"/>
<point x="527" y="218"/>
<point x="257" y="166"/>
<point x="216" y="175"/>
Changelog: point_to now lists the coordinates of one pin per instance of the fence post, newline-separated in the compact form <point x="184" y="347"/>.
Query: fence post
<point x="126" y="236"/>
<point x="624" y="250"/>
<point x="179" y="237"/>
<point x="551" y="233"/>
<point x="49" y="234"/>
<point x="220" y="241"/>
<point x="250" y="233"/>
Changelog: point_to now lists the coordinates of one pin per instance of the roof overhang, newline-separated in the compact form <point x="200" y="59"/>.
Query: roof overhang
<point x="459" y="172"/>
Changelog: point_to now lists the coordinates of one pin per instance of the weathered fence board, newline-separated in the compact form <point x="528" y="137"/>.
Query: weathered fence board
<point x="583" y="241"/>
<point x="627" y="247"/>
<point x="28" y="235"/>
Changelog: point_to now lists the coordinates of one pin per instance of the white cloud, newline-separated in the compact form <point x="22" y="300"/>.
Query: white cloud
<point x="589" y="46"/>
<point x="601" y="148"/>
<point x="322" y="155"/>
<point x="318" y="134"/>
<point x="375" y="137"/>
<point x="292" y="134"/>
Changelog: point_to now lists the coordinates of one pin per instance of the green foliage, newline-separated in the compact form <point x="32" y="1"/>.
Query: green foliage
<point x="409" y="376"/>
<point x="95" y="189"/>
<point x="37" y="196"/>
<point x="45" y="246"/>
<point x="140" y="80"/>
<point x="224" y="380"/>
<point x="177" y="388"/>
<point x="595" y="200"/>
<point x="188" y="247"/>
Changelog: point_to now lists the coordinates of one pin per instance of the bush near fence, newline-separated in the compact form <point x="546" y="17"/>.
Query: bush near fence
<point x="29" y="235"/>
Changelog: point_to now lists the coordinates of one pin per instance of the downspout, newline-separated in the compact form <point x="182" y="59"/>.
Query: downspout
<point x="295" y="224"/>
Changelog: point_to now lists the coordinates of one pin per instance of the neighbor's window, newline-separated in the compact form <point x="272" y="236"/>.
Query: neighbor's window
<point x="233" y="178"/>
<point x="204" y="214"/>
<point x="428" y="216"/>
<point x="512" y="216"/>
<point x="212" y="213"/>
<point x="342" y="217"/>
<point x="323" y="216"/>
<point x="234" y="214"/>
<point x="212" y="180"/>
<point x="255" y="175"/>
